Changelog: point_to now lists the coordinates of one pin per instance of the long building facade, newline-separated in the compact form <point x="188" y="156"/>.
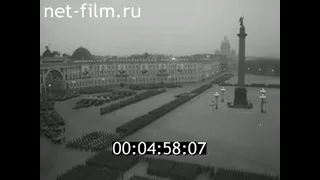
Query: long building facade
<point x="66" y="74"/>
<point x="63" y="74"/>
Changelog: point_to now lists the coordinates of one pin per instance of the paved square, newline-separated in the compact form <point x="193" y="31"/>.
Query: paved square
<point x="237" y="138"/>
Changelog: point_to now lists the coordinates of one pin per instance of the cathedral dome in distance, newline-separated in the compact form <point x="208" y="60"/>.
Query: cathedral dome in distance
<point x="81" y="54"/>
<point x="225" y="46"/>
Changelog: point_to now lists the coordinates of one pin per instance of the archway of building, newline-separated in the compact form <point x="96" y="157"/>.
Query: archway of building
<point x="54" y="82"/>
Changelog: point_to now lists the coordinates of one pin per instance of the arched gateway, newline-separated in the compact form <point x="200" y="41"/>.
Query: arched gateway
<point x="54" y="81"/>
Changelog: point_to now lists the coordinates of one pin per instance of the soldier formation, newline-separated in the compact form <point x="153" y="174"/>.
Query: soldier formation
<point x="103" y="172"/>
<point x="102" y="99"/>
<point x="51" y="123"/>
<point x="154" y="86"/>
<point x="93" y="141"/>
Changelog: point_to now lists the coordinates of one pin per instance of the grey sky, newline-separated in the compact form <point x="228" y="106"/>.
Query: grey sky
<point x="178" y="27"/>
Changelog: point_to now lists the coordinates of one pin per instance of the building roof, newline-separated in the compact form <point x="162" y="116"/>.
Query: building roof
<point x="81" y="53"/>
<point x="53" y="59"/>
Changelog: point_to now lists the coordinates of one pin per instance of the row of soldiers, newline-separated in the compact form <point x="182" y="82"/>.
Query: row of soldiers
<point x="219" y="173"/>
<point x="222" y="79"/>
<point x="94" y="173"/>
<point x="94" y="141"/>
<point x="81" y="171"/>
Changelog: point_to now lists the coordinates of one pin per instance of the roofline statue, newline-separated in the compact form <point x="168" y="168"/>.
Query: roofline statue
<point x="47" y="47"/>
<point x="241" y="21"/>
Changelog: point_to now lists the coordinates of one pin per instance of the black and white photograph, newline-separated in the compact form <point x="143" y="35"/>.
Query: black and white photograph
<point x="160" y="90"/>
<point x="179" y="67"/>
<point x="162" y="68"/>
<point x="85" y="70"/>
<point x="144" y="68"/>
<point x="122" y="69"/>
<point x="103" y="69"/>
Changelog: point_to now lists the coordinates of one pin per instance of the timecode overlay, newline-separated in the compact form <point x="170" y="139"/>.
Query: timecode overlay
<point x="159" y="148"/>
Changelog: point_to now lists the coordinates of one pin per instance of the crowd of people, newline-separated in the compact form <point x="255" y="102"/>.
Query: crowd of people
<point x="99" y="141"/>
<point x="222" y="79"/>
<point x="180" y="171"/>
<point x="142" y="177"/>
<point x="93" y="141"/>
<point x="84" y="172"/>
<point x="51" y="123"/>
<point x="102" y="99"/>
<point x="153" y="86"/>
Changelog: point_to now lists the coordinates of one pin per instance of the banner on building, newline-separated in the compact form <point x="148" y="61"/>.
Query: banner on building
<point x="162" y="68"/>
<point x="144" y="68"/>
<point x="121" y="69"/>
<point x="180" y="67"/>
<point x="103" y="69"/>
<point x="85" y="71"/>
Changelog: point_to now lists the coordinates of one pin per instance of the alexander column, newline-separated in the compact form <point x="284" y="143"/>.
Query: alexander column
<point x="240" y="93"/>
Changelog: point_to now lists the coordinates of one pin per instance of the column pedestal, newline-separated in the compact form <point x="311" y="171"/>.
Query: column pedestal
<point x="240" y="98"/>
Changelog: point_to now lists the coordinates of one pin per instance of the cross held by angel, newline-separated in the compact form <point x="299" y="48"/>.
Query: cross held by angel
<point x="241" y="21"/>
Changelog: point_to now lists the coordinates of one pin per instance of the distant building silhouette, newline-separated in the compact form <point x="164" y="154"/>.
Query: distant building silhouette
<point x="225" y="49"/>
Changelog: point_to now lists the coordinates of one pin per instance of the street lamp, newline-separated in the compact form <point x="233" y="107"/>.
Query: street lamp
<point x="216" y="95"/>
<point x="50" y="90"/>
<point x="263" y="98"/>
<point x="222" y="93"/>
<point x="263" y="91"/>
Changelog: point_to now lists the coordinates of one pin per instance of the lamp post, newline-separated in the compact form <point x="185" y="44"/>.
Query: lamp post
<point x="263" y="98"/>
<point x="222" y="93"/>
<point x="216" y="95"/>
<point x="49" y="85"/>
<point x="263" y="91"/>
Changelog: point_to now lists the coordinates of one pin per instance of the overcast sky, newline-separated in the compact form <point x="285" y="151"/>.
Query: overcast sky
<point x="177" y="27"/>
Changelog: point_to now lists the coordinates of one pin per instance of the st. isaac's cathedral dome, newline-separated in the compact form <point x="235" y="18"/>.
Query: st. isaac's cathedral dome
<point x="225" y="47"/>
<point x="81" y="54"/>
